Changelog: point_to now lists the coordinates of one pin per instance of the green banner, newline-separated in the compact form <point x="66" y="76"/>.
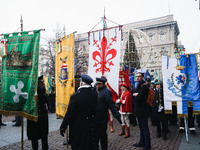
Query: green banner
<point x="19" y="75"/>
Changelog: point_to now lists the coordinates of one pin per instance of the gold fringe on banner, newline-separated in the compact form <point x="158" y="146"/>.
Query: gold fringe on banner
<point x="168" y="111"/>
<point x="19" y="113"/>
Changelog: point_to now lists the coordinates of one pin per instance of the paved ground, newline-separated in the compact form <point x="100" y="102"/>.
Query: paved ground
<point x="10" y="138"/>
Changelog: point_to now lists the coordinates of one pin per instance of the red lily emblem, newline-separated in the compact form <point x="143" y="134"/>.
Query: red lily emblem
<point x="101" y="55"/>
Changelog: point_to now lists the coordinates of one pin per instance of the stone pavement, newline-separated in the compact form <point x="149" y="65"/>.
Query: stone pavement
<point x="175" y="141"/>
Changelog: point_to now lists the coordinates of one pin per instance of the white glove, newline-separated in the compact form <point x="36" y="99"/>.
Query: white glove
<point x="160" y="109"/>
<point x="118" y="100"/>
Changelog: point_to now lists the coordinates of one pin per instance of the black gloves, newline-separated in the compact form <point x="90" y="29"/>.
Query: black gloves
<point x="62" y="131"/>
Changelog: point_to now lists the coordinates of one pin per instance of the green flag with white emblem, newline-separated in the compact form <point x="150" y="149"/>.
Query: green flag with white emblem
<point x="19" y="75"/>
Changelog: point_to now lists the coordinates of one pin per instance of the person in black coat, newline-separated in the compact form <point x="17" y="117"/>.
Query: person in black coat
<point x="142" y="111"/>
<point x="40" y="129"/>
<point x="158" y="112"/>
<point x="80" y="116"/>
<point x="105" y="102"/>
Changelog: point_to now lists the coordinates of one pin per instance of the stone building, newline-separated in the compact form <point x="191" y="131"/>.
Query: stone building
<point x="153" y="38"/>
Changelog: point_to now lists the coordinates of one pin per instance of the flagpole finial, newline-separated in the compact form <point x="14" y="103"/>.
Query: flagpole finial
<point x="64" y="30"/>
<point x="21" y="20"/>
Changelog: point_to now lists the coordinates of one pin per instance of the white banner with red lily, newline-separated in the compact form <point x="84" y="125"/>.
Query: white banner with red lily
<point x="104" y="55"/>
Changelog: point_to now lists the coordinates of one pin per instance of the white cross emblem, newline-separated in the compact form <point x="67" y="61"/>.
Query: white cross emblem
<point x="18" y="91"/>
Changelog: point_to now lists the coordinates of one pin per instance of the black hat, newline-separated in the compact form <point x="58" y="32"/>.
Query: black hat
<point x="77" y="77"/>
<point x="40" y="77"/>
<point x="100" y="80"/>
<point x="86" y="78"/>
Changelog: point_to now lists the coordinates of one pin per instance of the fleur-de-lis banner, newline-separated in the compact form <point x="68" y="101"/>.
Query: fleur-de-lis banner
<point x="19" y="75"/>
<point x="65" y="83"/>
<point x="104" y="55"/>
<point x="181" y="83"/>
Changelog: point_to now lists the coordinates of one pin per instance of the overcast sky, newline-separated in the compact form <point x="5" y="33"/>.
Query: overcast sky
<point x="83" y="15"/>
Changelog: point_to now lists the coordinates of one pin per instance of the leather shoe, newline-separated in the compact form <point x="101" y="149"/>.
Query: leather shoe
<point x="16" y="125"/>
<point x="158" y="135"/>
<point x="193" y="132"/>
<point x="139" y="144"/>
<point x="181" y="130"/>
<point x="164" y="137"/>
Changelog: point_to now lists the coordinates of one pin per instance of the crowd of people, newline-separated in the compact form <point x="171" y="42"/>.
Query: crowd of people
<point x="92" y="107"/>
<point x="131" y="108"/>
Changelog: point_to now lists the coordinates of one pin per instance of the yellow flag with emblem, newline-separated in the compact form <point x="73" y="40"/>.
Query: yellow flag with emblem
<point x="64" y="77"/>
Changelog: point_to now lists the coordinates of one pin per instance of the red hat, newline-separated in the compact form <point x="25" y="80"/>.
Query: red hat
<point x="125" y="85"/>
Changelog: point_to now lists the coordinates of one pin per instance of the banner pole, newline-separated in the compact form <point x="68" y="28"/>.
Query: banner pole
<point x="22" y="118"/>
<point x="186" y="130"/>
<point x="22" y="133"/>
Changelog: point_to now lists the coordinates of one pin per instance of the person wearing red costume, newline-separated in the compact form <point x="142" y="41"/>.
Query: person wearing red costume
<point x="125" y="109"/>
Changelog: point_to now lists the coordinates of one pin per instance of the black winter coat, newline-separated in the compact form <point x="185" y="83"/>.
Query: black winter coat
<point x="158" y="116"/>
<point x="105" y="102"/>
<point x="142" y="109"/>
<point x="80" y="116"/>
<point x="40" y="129"/>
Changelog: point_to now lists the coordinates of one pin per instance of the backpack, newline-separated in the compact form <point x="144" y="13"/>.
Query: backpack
<point x="150" y="97"/>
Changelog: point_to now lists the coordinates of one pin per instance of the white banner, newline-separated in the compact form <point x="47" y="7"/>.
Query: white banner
<point x="104" y="55"/>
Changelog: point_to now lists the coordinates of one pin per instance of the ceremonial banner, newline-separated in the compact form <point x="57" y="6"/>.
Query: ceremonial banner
<point x="104" y="55"/>
<point x="181" y="83"/>
<point x="65" y="84"/>
<point x="19" y="75"/>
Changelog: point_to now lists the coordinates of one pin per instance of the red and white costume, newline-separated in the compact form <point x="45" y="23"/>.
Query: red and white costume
<point x="125" y="107"/>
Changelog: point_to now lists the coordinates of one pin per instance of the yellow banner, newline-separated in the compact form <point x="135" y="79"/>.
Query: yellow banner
<point x="65" y="84"/>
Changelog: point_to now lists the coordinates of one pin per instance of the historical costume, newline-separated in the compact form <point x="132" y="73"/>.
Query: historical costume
<point x="125" y="109"/>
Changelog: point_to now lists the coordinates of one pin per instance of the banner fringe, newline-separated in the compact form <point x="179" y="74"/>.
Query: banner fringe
<point x="17" y="113"/>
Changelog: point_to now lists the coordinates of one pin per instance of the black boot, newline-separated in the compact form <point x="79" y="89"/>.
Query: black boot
<point x="158" y="134"/>
<point x="164" y="137"/>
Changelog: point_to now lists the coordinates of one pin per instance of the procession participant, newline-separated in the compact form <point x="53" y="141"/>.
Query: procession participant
<point x="105" y="102"/>
<point x="191" y="119"/>
<point x="52" y="96"/>
<point x="125" y="109"/>
<point x="114" y="98"/>
<point x="148" y="82"/>
<point x="77" y="85"/>
<point x="40" y="129"/>
<point x="152" y="86"/>
<point x="132" y="116"/>
<point x="158" y="112"/>
<point x="142" y="112"/>
<point x="80" y="116"/>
